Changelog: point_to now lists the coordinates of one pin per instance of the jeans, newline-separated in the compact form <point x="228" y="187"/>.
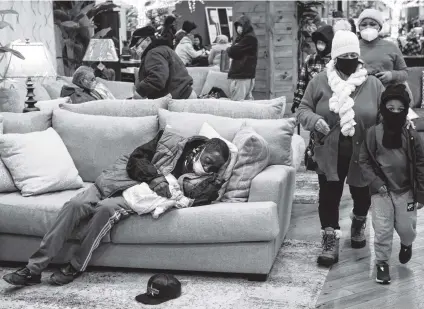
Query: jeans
<point x="330" y="192"/>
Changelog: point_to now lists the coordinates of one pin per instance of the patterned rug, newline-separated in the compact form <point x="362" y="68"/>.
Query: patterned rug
<point x="295" y="282"/>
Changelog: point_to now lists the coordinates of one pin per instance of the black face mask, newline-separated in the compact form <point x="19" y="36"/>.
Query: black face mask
<point x="392" y="124"/>
<point x="347" y="66"/>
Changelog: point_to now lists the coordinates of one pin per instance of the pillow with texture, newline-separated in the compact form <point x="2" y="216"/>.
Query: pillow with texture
<point x="96" y="142"/>
<point x="226" y="172"/>
<point x="54" y="88"/>
<point x="120" y="90"/>
<point x="253" y="158"/>
<point x="35" y="170"/>
<point x="49" y="105"/>
<point x="26" y="122"/>
<point x="119" y="108"/>
<point x="233" y="109"/>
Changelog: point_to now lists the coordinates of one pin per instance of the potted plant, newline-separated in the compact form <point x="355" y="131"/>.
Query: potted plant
<point x="8" y="95"/>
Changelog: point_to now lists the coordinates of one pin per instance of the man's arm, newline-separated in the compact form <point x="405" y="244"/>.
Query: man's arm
<point x="246" y="45"/>
<point x="157" y="68"/>
<point x="139" y="166"/>
<point x="419" y="155"/>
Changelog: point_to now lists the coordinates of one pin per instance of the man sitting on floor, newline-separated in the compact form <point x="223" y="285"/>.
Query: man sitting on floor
<point x="86" y="87"/>
<point x="194" y="161"/>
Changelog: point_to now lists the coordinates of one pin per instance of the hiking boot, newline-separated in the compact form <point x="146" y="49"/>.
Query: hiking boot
<point x="357" y="231"/>
<point x="64" y="275"/>
<point x="330" y="247"/>
<point x="383" y="273"/>
<point x="405" y="253"/>
<point x="22" y="277"/>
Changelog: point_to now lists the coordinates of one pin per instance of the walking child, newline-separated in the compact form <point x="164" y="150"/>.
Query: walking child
<point x="392" y="161"/>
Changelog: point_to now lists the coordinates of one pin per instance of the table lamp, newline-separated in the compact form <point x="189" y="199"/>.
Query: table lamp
<point x="99" y="50"/>
<point x="37" y="63"/>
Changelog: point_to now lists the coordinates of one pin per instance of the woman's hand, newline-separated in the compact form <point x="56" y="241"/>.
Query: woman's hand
<point x="385" y="77"/>
<point x="322" y="127"/>
<point x="382" y="191"/>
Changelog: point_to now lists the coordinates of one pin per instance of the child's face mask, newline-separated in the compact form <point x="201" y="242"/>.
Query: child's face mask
<point x="198" y="167"/>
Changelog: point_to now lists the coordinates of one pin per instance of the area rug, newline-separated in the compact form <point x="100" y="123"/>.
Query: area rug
<point x="294" y="282"/>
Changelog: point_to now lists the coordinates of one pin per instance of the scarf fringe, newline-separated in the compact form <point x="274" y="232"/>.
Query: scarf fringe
<point x="341" y="103"/>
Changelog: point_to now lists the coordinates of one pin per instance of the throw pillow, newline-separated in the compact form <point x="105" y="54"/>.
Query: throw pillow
<point x="253" y="158"/>
<point x="6" y="180"/>
<point x="120" y="90"/>
<point x="39" y="162"/>
<point x="54" y="88"/>
<point x="227" y="169"/>
<point x="120" y="108"/>
<point x="96" y="142"/>
<point x="199" y="76"/>
<point x="49" y="105"/>
<point x="217" y="79"/>
<point x="26" y="122"/>
<point x="232" y="109"/>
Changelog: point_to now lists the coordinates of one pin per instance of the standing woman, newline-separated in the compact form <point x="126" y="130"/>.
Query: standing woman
<point x="340" y="104"/>
<point x="382" y="58"/>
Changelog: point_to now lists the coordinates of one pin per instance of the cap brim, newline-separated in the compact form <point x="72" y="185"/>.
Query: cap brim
<point x="147" y="299"/>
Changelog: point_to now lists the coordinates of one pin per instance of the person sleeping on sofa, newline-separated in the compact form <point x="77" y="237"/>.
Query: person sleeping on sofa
<point x="86" y="87"/>
<point x="196" y="162"/>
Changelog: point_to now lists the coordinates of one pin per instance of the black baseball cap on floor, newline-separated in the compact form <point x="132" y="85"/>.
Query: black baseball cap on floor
<point x="160" y="288"/>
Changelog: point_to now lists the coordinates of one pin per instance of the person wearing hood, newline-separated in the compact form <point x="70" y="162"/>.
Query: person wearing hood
<point x="188" y="27"/>
<point x="215" y="54"/>
<point x="382" y="58"/>
<point x="169" y="29"/>
<point x="339" y="105"/>
<point x="392" y="162"/>
<point x="161" y="70"/>
<point x="185" y="50"/>
<point x="314" y="63"/>
<point x="244" y="55"/>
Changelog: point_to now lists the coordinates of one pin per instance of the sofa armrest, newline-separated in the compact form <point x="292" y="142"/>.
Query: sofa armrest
<point x="276" y="183"/>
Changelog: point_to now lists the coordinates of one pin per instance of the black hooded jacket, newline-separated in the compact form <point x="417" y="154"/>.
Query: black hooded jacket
<point x="325" y="34"/>
<point x="244" y="52"/>
<point x="162" y="72"/>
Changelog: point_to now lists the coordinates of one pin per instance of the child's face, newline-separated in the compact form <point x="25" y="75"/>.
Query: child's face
<point x="395" y="106"/>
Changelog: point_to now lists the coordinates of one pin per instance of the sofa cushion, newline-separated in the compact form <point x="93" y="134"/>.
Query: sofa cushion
<point x="253" y="158"/>
<point x="415" y="82"/>
<point x="26" y="122"/>
<point x="120" y="90"/>
<point x="96" y="142"/>
<point x="54" y="88"/>
<point x="199" y="75"/>
<point x="232" y="109"/>
<point x="34" y="215"/>
<point x="277" y="132"/>
<point x="217" y="223"/>
<point x="49" y="105"/>
<point x="39" y="162"/>
<point x="120" y="108"/>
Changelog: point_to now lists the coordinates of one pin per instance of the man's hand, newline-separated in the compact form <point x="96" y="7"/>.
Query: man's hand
<point x="384" y="77"/>
<point x="162" y="189"/>
<point x="322" y="127"/>
<point x="382" y="191"/>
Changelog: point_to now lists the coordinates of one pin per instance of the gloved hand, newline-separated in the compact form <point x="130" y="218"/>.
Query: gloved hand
<point x="322" y="127"/>
<point x="160" y="186"/>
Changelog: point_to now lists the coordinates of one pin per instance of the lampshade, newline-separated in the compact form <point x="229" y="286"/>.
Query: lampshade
<point x="37" y="62"/>
<point x="101" y="50"/>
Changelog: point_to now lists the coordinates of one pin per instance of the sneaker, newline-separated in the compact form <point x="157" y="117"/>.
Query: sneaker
<point x="330" y="248"/>
<point x="383" y="273"/>
<point x="405" y="253"/>
<point x="64" y="275"/>
<point x="22" y="277"/>
<point x="357" y="231"/>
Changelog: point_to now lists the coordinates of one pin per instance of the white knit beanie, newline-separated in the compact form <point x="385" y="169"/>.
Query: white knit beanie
<point x="344" y="42"/>
<point x="372" y="14"/>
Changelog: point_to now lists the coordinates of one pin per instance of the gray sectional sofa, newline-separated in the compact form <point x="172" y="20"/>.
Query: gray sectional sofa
<point x="223" y="237"/>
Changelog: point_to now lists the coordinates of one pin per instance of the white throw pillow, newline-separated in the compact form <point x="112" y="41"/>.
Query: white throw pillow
<point x="49" y="105"/>
<point x="210" y="132"/>
<point x="39" y="162"/>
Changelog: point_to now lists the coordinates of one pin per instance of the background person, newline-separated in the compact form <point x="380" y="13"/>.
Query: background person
<point x="222" y="43"/>
<point x="339" y="105"/>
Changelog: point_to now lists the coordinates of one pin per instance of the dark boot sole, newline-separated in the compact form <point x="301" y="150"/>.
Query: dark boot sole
<point x="358" y="244"/>
<point x="25" y="284"/>
<point x="382" y="281"/>
<point x="327" y="262"/>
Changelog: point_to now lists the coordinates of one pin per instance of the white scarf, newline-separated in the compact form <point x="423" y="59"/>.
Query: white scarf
<point x="341" y="103"/>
